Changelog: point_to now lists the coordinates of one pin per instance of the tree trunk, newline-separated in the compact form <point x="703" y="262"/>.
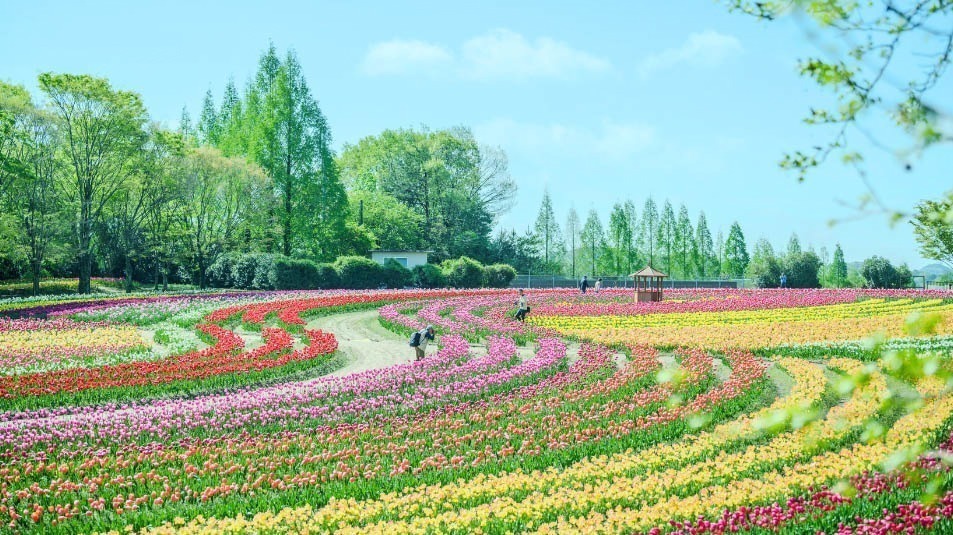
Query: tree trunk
<point x="165" y="278"/>
<point x="36" y="268"/>
<point x="155" y="278"/>
<point x="85" y="256"/>
<point x="201" y="274"/>
<point x="128" y="272"/>
<point x="286" y="224"/>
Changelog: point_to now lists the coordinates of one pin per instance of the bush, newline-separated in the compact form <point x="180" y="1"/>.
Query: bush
<point x="326" y="277"/>
<point x="428" y="276"/>
<point x="243" y="271"/>
<point x="359" y="273"/>
<point x="499" y="275"/>
<point x="293" y="274"/>
<point x="263" y="271"/>
<point x="396" y="275"/>
<point x="219" y="274"/>
<point x="464" y="272"/>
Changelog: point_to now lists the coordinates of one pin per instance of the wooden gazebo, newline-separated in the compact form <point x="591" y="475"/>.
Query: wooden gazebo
<point x="648" y="284"/>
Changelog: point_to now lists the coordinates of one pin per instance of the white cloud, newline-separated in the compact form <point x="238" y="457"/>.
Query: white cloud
<point x="404" y="57"/>
<point x="504" y="53"/>
<point x="614" y="141"/>
<point x="706" y="49"/>
<point x="497" y="54"/>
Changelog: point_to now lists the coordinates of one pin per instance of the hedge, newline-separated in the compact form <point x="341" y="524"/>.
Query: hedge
<point x="263" y="271"/>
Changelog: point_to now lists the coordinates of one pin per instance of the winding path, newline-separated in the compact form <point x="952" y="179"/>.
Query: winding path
<point x="364" y="342"/>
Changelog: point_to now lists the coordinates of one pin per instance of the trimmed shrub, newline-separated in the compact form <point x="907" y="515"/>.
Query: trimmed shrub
<point x="263" y="271"/>
<point x="359" y="273"/>
<point x="428" y="276"/>
<point x="396" y="275"/>
<point x="219" y="274"/>
<point x="243" y="270"/>
<point x="464" y="272"/>
<point x="499" y="275"/>
<point x="326" y="277"/>
<point x="293" y="274"/>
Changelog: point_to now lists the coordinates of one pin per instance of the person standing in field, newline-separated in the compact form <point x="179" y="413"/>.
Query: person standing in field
<point x="420" y="339"/>
<point x="522" y="307"/>
<point x="784" y="280"/>
<point x="598" y="285"/>
<point x="584" y="284"/>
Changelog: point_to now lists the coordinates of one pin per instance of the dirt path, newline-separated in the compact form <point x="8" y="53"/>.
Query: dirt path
<point x="364" y="342"/>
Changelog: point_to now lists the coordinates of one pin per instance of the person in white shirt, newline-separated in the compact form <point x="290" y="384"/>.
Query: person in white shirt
<point x="522" y="307"/>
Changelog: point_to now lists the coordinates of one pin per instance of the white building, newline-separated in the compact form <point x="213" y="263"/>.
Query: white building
<point x="408" y="259"/>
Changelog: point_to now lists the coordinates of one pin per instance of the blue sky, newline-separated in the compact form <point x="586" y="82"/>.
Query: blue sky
<point x="598" y="102"/>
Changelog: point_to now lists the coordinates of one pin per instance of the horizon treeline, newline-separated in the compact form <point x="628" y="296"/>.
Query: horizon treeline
<point x="90" y="186"/>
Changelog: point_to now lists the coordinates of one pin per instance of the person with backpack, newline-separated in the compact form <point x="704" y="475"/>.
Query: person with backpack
<point x="522" y="307"/>
<point x="420" y="339"/>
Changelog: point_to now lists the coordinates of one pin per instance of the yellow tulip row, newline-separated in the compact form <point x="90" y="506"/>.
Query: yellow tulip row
<point x="860" y="309"/>
<point x="757" y="335"/>
<point x="910" y="432"/>
<point x="637" y="490"/>
<point x="40" y="341"/>
<point x="431" y="503"/>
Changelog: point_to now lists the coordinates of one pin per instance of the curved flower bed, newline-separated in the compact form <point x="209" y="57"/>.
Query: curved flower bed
<point x="680" y="416"/>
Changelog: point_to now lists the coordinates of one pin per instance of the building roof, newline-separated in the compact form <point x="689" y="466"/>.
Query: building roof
<point x="648" y="271"/>
<point x="400" y="251"/>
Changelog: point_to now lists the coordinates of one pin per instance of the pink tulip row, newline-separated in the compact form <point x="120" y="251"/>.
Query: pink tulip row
<point x="721" y="300"/>
<point x="442" y="377"/>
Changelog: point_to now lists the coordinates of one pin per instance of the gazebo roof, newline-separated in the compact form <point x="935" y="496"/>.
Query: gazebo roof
<point x="648" y="271"/>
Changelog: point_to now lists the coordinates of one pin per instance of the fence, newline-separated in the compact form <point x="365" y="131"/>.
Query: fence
<point x="533" y="280"/>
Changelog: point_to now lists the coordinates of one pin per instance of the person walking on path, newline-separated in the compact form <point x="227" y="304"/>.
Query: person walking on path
<point x="420" y="339"/>
<point x="522" y="307"/>
<point x="784" y="280"/>
<point x="598" y="285"/>
<point x="584" y="284"/>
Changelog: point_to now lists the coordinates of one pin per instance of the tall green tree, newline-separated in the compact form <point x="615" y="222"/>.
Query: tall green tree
<point x="33" y="198"/>
<point x="684" y="243"/>
<point x="735" y="252"/>
<point x="635" y="259"/>
<point x="291" y="141"/>
<point x="666" y="236"/>
<point x="548" y="231"/>
<point x="209" y="127"/>
<point x="102" y="136"/>
<point x="835" y="273"/>
<point x="719" y="270"/>
<point x="619" y="241"/>
<point x="593" y="238"/>
<point x="573" y="228"/>
<point x="794" y="246"/>
<point x="703" y="256"/>
<point x="648" y="231"/>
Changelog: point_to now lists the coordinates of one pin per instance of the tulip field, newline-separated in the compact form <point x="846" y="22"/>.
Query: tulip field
<point x="713" y="411"/>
